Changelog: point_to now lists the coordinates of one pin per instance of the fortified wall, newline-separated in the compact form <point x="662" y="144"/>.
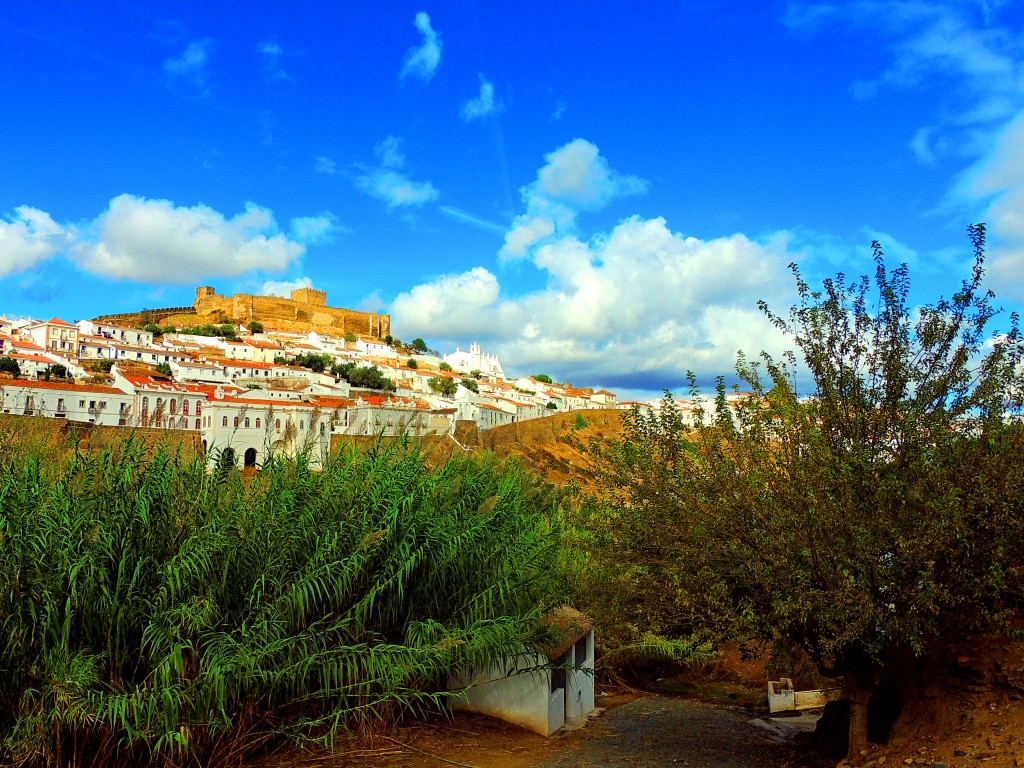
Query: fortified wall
<point x="306" y="310"/>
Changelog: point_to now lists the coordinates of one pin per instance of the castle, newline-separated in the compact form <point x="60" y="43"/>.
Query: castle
<point x="304" y="311"/>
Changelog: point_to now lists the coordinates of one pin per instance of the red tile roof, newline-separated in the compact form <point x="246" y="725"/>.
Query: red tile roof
<point x="63" y="386"/>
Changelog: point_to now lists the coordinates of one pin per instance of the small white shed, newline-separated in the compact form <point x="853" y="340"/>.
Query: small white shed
<point x="519" y="690"/>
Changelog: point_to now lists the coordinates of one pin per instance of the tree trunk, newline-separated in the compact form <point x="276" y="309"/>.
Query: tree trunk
<point x="860" y="697"/>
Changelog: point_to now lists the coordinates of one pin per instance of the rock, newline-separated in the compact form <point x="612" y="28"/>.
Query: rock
<point x="960" y="752"/>
<point x="880" y="760"/>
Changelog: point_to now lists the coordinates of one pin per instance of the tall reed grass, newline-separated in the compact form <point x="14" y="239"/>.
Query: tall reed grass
<point x="152" y="611"/>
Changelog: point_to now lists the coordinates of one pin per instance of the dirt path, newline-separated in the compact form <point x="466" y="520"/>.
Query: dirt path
<point x="658" y="732"/>
<point x="646" y="731"/>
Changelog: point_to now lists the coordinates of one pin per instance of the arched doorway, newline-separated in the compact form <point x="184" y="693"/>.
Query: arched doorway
<point x="250" y="457"/>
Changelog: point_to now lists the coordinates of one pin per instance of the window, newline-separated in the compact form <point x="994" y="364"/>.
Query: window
<point x="184" y="408"/>
<point x="257" y="423"/>
<point x="321" y="427"/>
<point x="224" y="421"/>
<point x="174" y="407"/>
<point x="60" y="404"/>
<point x="247" y="423"/>
<point x="81" y="403"/>
<point x="199" y="408"/>
<point x="277" y="424"/>
<point x="197" y="423"/>
<point x="302" y="425"/>
<point x="235" y="422"/>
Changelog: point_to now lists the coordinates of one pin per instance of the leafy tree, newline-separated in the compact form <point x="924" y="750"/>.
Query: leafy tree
<point x="389" y="340"/>
<point x="151" y="328"/>
<point x="165" y="369"/>
<point x="411" y="363"/>
<point x="551" y="406"/>
<point x="255" y="326"/>
<point x="103" y="366"/>
<point x="443" y="386"/>
<point x="542" y="377"/>
<point x="351" y="337"/>
<point x="10" y="365"/>
<point x="580" y="422"/>
<point x="362" y="376"/>
<point x="419" y="345"/>
<point x="168" y="329"/>
<point x="470" y="384"/>
<point x="475" y="373"/>
<point x="869" y="523"/>
<point x="226" y="329"/>
<point x="445" y="367"/>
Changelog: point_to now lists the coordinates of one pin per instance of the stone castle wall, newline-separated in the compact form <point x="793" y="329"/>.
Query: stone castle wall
<point x="305" y="311"/>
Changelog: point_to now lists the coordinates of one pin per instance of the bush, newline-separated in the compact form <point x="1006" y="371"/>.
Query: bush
<point x="155" y="612"/>
<point x="10" y="365"/>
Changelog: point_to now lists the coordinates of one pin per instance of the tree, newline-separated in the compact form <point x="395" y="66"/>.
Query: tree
<point x="388" y="339"/>
<point x="411" y="363"/>
<point x="419" y="345"/>
<point x="165" y="369"/>
<point x="351" y="337"/>
<point x="445" y="367"/>
<point x="542" y="377"/>
<point x="151" y="328"/>
<point x="57" y="370"/>
<point x="868" y="523"/>
<point x="551" y="405"/>
<point x="10" y="365"/>
<point x="470" y="384"/>
<point x="475" y="373"/>
<point x="255" y="326"/>
<point x="168" y="329"/>
<point x="443" y="386"/>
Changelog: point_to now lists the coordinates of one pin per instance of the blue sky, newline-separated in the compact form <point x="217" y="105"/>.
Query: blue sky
<point x="591" y="191"/>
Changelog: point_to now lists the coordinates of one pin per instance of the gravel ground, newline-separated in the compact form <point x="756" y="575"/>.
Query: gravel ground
<point x="662" y="733"/>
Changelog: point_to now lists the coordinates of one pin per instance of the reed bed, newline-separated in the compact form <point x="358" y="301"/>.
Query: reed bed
<point x="154" y="612"/>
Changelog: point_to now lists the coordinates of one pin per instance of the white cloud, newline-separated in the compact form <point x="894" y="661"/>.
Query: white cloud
<point x="190" y="65"/>
<point x="423" y="61"/>
<point x="28" y="237"/>
<point x="640" y="300"/>
<point x="154" y="241"/>
<point x="284" y="288"/>
<point x="272" y="53"/>
<point x="396" y="189"/>
<point x="389" y="152"/>
<point x="482" y="105"/>
<point x="574" y="178"/>
<point x="324" y="165"/>
<point x="315" y="230"/>
<point x="390" y="184"/>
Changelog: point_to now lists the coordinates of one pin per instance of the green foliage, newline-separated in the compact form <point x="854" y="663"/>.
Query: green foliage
<point x="154" y="612"/>
<point x="57" y="371"/>
<point x="168" y="329"/>
<point x="103" y="366"/>
<point x="255" y="326"/>
<point x="312" y="361"/>
<point x="542" y="377"/>
<point x="470" y="384"/>
<point x="363" y="376"/>
<point x="475" y="374"/>
<point x="870" y="523"/>
<point x="419" y="345"/>
<point x="411" y="363"/>
<point x="351" y="337"/>
<point x="580" y="422"/>
<point x="151" y="328"/>
<point x="551" y="405"/>
<point x="9" y="366"/>
<point x="165" y="369"/>
<point x="443" y="386"/>
<point x="445" y="367"/>
<point x="226" y="331"/>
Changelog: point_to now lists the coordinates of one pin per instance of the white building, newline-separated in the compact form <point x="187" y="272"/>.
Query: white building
<point x="475" y="360"/>
<point x="54" y="335"/>
<point x="60" y="400"/>
<point x="130" y="336"/>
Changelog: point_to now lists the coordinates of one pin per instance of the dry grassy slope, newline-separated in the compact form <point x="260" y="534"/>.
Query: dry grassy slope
<point x="551" y="446"/>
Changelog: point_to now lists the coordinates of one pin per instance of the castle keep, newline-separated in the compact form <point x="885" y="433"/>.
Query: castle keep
<point x="304" y="311"/>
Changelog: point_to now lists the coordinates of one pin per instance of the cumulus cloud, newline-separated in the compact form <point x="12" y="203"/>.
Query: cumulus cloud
<point x="315" y="230"/>
<point x="284" y="288"/>
<point x="482" y="105"/>
<point x="574" y="178"/>
<point x="189" y="66"/>
<point x="422" y="61"/>
<point x="396" y="189"/>
<point x="155" y="241"/>
<point x="27" y="237"/>
<point x="640" y="301"/>
<point x="390" y="184"/>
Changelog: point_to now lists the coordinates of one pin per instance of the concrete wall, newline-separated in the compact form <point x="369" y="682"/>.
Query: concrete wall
<point x="522" y="697"/>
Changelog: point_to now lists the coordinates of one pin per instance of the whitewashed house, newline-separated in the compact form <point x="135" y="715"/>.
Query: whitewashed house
<point x="62" y="400"/>
<point x="542" y="688"/>
<point x="475" y="360"/>
<point x="130" y="336"/>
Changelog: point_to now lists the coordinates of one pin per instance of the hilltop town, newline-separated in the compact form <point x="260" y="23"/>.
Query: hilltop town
<point x="248" y="375"/>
